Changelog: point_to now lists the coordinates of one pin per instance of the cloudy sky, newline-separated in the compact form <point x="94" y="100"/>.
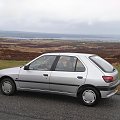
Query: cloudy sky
<point x="61" y="16"/>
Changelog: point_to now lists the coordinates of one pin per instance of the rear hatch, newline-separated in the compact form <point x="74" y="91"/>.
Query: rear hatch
<point x="110" y="73"/>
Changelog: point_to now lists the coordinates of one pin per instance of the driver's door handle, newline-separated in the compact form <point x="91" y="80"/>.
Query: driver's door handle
<point x="45" y="74"/>
<point x="79" y="77"/>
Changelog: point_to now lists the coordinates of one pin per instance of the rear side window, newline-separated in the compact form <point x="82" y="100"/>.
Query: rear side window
<point x="69" y="64"/>
<point x="79" y="66"/>
<point x="66" y="63"/>
<point x="102" y="64"/>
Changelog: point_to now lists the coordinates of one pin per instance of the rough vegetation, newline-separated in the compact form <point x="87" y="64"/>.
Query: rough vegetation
<point x="17" y="52"/>
<point x="12" y="49"/>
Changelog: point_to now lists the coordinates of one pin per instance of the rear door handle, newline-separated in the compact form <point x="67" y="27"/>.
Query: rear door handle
<point x="79" y="77"/>
<point x="45" y="74"/>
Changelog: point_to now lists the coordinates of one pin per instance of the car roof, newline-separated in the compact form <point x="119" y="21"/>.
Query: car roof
<point x="70" y="54"/>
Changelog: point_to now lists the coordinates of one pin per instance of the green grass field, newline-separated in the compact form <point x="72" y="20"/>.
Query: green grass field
<point x="11" y="63"/>
<point x="118" y="68"/>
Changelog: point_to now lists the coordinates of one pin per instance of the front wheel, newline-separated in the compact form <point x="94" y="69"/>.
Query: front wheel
<point x="89" y="96"/>
<point x="7" y="86"/>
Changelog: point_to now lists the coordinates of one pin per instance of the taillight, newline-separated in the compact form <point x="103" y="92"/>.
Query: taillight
<point x="108" y="78"/>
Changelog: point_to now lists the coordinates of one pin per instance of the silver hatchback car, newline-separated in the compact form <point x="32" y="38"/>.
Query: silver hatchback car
<point x="86" y="76"/>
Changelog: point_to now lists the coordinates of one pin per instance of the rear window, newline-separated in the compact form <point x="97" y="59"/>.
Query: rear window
<point x="102" y="64"/>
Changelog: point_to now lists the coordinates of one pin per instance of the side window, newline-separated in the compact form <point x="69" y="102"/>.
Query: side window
<point x="66" y="63"/>
<point x="43" y="63"/>
<point x="79" y="66"/>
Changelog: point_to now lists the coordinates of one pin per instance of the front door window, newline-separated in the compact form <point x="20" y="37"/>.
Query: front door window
<point x="43" y="63"/>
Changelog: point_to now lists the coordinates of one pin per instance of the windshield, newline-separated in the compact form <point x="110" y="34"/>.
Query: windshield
<point x="103" y="64"/>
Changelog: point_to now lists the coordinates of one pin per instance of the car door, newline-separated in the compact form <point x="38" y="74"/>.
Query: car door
<point x="68" y="75"/>
<point x="38" y="73"/>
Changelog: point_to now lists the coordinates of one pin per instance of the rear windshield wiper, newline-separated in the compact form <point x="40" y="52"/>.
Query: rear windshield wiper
<point x="114" y="69"/>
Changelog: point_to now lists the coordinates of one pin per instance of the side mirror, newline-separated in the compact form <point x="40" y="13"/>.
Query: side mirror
<point x="26" y="67"/>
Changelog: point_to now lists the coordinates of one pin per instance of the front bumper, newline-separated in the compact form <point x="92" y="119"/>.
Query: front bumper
<point x="107" y="91"/>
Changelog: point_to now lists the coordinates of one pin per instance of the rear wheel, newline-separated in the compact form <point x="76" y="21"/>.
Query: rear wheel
<point x="89" y="96"/>
<point x="7" y="86"/>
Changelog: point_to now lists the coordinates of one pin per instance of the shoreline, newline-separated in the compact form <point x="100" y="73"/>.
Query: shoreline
<point x="62" y="39"/>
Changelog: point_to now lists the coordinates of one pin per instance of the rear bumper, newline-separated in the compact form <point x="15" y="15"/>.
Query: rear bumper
<point x="107" y="91"/>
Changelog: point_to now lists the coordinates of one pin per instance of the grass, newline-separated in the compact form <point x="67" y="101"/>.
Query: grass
<point x="14" y="63"/>
<point x="11" y="63"/>
<point x="118" y="68"/>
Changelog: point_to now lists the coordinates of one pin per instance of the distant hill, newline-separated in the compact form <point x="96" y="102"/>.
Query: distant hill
<point x="37" y="35"/>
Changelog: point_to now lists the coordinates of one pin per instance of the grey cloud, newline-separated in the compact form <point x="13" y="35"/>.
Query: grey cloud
<point x="61" y="16"/>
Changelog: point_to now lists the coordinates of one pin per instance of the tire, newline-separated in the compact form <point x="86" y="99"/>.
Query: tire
<point x="89" y="96"/>
<point x="7" y="86"/>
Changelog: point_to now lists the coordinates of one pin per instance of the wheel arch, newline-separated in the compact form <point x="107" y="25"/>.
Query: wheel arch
<point x="86" y="85"/>
<point x="9" y="78"/>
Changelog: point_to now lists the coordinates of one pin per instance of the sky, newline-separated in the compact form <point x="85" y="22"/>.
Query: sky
<point x="61" y="16"/>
